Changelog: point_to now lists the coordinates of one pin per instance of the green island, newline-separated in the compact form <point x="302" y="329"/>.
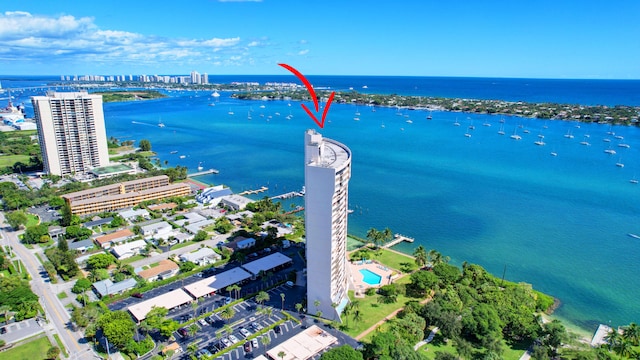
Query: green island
<point x="619" y="114"/>
<point x="116" y="96"/>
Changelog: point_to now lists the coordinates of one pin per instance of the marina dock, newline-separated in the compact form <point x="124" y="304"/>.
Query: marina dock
<point x="397" y="238"/>
<point x="288" y="195"/>
<point x="205" y="172"/>
<point x="256" y="191"/>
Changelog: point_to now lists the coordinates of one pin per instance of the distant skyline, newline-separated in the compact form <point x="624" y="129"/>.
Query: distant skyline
<point x="523" y="39"/>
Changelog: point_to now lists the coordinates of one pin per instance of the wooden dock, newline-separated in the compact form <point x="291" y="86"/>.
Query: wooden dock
<point x="256" y="191"/>
<point x="288" y="195"/>
<point x="397" y="238"/>
<point x="205" y="172"/>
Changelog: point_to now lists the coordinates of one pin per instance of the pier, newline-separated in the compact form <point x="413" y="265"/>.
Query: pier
<point x="256" y="191"/>
<point x="205" y="172"/>
<point x="288" y="195"/>
<point x="397" y="238"/>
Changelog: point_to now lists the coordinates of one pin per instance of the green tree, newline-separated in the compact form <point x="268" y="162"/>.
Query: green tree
<point x="117" y="326"/>
<point x="228" y="313"/>
<point x="265" y="341"/>
<point x="298" y="307"/>
<point x="261" y="297"/>
<point x="5" y="310"/>
<point x="201" y="235"/>
<point x="422" y="281"/>
<point x="81" y="285"/>
<point x="632" y="334"/>
<point x="282" y="298"/>
<point x="145" y="145"/>
<point x="100" y="261"/>
<point x="16" y="218"/>
<point x="420" y="255"/>
<point x="53" y="352"/>
<point x="448" y="274"/>
<point x="281" y="354"/>
<point x="36" y="234"/>
<point x="63" y="245"/>
<point x="77" y="232"/>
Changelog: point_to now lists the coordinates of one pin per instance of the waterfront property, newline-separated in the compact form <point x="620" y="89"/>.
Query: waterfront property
<point x="235" y="202"/>
<point x="123" y="195"/>
<point x="367" y="273"/>
<point x="327" y="173"/>
<point x="71" y="132"/>
<point x="273" y="262"/>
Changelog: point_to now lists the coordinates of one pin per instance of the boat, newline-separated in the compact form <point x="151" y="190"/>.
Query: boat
<point x="501" y="120"/>
<point x="215" y="94"/>
<point x="230" y="112"/>
<point x="620" y="164"/>
<point x="633" y="236"/>
<point x="501" y="131"/>
<point x="350" y="211"/>
<point x="540" y="142"/>
<point x="515" y="136"/>
<point x="200" y="166"/>
<point x="606" y="140"/>
<point x="183" y="156"/>
<point x="212" y="104"/>
<point x="619" y="137"/>
<point x="610" y="151"/>
<point x="568" y="135"/>
<point x="633" y="181"/>
<point x="584" y="141"/>
<point x="456" y="123"/>
<point x="486" y="124"/>
<point x="624" y="145"/>
<point x="173" y="152"/>
<point x="553" y="153"/>
<point x="467" y="134"/>
<point x="429" y="117"/>
<point x="365" y="87"/>
<point x="409" y="121"/>
<point x="356" y="119"/>
<point x="160" y="124"/>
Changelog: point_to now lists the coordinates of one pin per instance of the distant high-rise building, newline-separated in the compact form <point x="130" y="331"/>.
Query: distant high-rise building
<point x="195" y="77"/>
<point x="205" y="78"/>
<point x="327" y="170"/>
<point x="71" y="132"/>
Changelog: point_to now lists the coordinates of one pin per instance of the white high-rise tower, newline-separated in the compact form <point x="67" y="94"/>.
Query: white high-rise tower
<point x="327" y="170"/>
<point x="71" y="132"/>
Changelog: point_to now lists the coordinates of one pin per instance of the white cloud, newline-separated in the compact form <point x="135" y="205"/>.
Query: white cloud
<point x="253" y="43"/>
<point x="303" y="52"/>
<point x="25" y="37"/>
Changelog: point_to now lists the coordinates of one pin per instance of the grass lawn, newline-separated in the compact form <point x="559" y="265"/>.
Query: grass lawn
<point x="133" y="259"/>
<point x="371" y="312"/>
<point x="60" y="346"/>
<point x="36" y="349"/>
<point x="32" y="220"/>
<point x="9" y="160"/>
<point x="396" y="261"/>
<point x="154" y="264"/>
<point x="438" y="344"/>
<point x="181" y="245"/>
<point x="62" y="295"/>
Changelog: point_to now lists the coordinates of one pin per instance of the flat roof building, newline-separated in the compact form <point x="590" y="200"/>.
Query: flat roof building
<point x="168" y="301"/>
<point x="71" y="132"/>
<point x="235" y="202"/>
<point x="217" y="282"/>
<point x="108" y="287"/>
<point x="203" y="255"/>
<point x="274" y="261"/>
<point x="327" y="170"/>
<point x="123" y="195"/>
<point x="303" y="346"/>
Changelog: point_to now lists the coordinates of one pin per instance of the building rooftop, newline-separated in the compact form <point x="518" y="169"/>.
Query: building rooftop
<point x="77" y="245"/>
<point x="217" y="282"/>
<point x="167" y="300"/>
<point x="116" y="235"/>
<point x="120" y="250"/>
<point x="113" y="186"/>
<point x="163" y="265"/>
<point x="94" y="223"/>
<point x="111" y="169"/>
<point x="266" y="263"/>
<point x="304" y="345"/>
<point x="199" y="254"/>
<point x="107" y="287"/>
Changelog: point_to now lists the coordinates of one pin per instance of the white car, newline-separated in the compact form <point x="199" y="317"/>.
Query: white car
<point x="256" y="326"/>
<point x="202" y="322"/>
<point x="246" y="333"/>
<point x="254" y="343"/>
<point x="233" y="339"/>
<point x="226" y="342"/>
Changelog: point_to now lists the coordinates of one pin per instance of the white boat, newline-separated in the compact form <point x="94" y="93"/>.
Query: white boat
<point x="540" y="143"/>
<point x="456" y="123"/>
<point x="553" y="153"/>
<point x="515" y="136"/>
<point x="633" y="181"/>
<point x="633" y="236"/>
<point x="200" y="166"/>
<point x="160" y="123"/>
<point x="230" y="112"/>
<point x="624" y="145"/>
<point x="619" y="164"/>
<point x="356" y="119"/>
<point x="183" y="156"/>
<point x="501" y="131"/>
<point x="606" y="140"/>
<point x="467" y="134"/>
<point x="215" y="94"/>
<point x="486" y="124"/>
<point x="610" y="151"/>
<point x="409" y="121"/>
<point x="619" y="137"/>
<point x="365" y="87"/>
<point x="568" y="135"/>
<point x="173" y="152"/>
<point x="429" y="117"/>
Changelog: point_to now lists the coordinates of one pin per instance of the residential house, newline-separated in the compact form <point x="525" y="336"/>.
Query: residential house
<point x="128" y="250"/>
<point x="165" y="269"/>
<point x="114" y="238"/>
<point x="201" y="256"/>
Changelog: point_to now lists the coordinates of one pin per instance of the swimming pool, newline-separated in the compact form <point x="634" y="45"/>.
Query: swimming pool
<point x="370" y="277"/>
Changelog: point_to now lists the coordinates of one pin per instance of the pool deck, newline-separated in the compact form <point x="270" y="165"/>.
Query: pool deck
<point x="358" y="279"/>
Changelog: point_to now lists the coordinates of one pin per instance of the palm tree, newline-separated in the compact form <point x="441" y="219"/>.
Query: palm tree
<point x="228" y="313"/>
<point x="434" y="257"/>
<point x="298" y="307"/>
<point x="346" y="312"/>
<point x="262" y="297"/>
<point x="282" y="297"/>
<point x="229" y="290"/>
<point x="373" y="235"/>
<point x="614" y="339"/>
<point x="192" y="348"/>
<point x="265" y="340"/>
<point x="387" y="235"/>
<point x="194" y="306"/>
<point x="632" y="334"/>
<point x="357" y="316"/>
<point x="281" y="354"/>
<point x="420" y="255"/>
<point x="268" y="311"/>
<point x="193" y="329"/>
<point x="5" y="310"/>
<point x="236" y="288"/>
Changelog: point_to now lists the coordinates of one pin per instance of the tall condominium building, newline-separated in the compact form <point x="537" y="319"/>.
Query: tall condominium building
<point x="71" y="132"/>
<point x="327" y="170"/>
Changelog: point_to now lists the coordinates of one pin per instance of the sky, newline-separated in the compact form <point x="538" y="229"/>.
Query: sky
<point x="585" y="39"/>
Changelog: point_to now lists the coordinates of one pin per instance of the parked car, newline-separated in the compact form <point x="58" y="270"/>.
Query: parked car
<point x="254" y="343"/>
<point x="226" y="342"/>
<point x="137" y="295"/>
<point x="233" y="339"/>
<point x="277" y="329"/>
<point x="183" y="332"/>
<point x="209" y="320"/>
<point x="246" y="333"/>
<point x="289" y="283"/>
<point x="202" y="322"/>
<point x="247" y="347"/>
<point x="256" y="326"/>
<point x="228" y="300"/>
<point x="203" y="352"/>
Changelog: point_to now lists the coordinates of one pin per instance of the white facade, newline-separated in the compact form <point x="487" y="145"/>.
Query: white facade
<point x="327" y="172"/>
<point x="71" y="132"/>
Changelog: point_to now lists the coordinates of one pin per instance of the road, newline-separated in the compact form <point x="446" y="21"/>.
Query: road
<point x="57" y="316"/>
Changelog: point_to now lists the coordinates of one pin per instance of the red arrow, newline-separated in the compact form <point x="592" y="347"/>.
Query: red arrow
<point x="312" y="93"/>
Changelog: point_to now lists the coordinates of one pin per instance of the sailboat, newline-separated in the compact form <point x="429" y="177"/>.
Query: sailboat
<point x="160" y="123"/>
<point x="584" y="141"/>
<point x="540" y="141"/>
<point x="456" y="123"/>
<point x="467" y="134"/>
<point x="215" y="94"/>
<point x="429" y="117"/>
<point x="501" y="131"/>
<point x="230" y="112"/>
<point x="620" y="164"/>
<point x="515" y="136"/>
<point x="568" y="135"/>
<point x="200" y="166"/>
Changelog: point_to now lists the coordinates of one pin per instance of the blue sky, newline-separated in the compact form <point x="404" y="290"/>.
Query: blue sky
<point x="535" y="39"/>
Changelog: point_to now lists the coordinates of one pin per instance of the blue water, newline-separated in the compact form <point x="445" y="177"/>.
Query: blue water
<point x="560" y="222"/>
<point x="370" y="277"/>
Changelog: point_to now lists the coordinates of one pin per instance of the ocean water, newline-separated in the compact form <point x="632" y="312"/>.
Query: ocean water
<point x="557" y="222"/>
